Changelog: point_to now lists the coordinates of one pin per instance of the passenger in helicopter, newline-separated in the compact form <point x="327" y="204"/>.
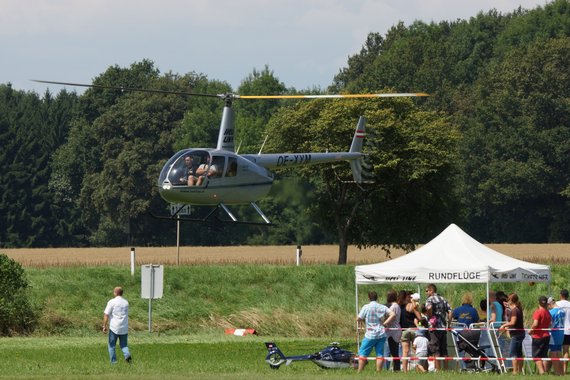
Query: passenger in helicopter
<point x="189" y="174"/>
<point x="206" y="170"/>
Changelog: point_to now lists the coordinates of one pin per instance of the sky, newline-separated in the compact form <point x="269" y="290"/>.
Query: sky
<point x="304" y="42"/>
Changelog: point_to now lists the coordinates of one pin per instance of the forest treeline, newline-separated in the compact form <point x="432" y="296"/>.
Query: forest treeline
<point x="488" y="150"/>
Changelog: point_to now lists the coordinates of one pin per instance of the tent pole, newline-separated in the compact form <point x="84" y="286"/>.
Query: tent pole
<point x="487" y="297"/>
<point x="491" y="329"/>
<point x="357" y="332"/>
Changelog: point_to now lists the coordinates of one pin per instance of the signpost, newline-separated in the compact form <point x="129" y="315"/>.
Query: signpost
<point x="179" y="209"/>
<point x="151" y="286"/>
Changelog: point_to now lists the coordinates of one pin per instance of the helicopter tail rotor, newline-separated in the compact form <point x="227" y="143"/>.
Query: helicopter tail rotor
<point x="274" y="356"/>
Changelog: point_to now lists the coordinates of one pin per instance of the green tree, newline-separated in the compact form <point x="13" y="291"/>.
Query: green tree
<point x="514" y="185"/>
<point x="31" y="129"/>
<point x="106" y="172"/>
<point x="502" y="78"/>
<point x="135" y="140"/>
<point x="97" y="101"/>
<point x="17" y="316"/>
<point x="201" y="122"/>
<point x="412" y="154"/>
<point x="252" y="116"/>
<point x="359" y="63"/>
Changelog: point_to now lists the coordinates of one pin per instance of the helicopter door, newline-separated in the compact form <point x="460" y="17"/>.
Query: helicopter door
<point x="218" y="166"/>
<point x="232" y="167"/>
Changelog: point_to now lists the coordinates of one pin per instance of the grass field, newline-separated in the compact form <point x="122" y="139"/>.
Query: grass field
<point x="176" y="357"/>
<point x="301" y="308"/>
<point x="45" y="257"/>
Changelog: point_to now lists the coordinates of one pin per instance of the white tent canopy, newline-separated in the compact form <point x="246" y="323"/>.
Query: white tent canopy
<point x="452" y="257"/>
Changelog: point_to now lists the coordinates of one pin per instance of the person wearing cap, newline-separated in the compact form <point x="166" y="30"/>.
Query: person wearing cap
<point x="421" y="348"/>
<point x="540" y="333"/>
<point x="410" y="312"/>
<point x="556" y="336"/>
<point x="564" y="304"/>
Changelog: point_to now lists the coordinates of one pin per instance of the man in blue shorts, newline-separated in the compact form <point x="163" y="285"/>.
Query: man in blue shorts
<point x="375" y="316"/>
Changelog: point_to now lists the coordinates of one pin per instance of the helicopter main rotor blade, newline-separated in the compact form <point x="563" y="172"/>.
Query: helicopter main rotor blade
<point x="235" y="96"/>
<point x="333" y="96"/>
<point x="130" y="89"/>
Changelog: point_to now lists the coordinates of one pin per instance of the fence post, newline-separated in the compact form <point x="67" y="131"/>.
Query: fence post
<point x="132" y="261"/>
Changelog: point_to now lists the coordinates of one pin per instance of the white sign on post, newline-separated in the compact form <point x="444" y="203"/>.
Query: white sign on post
<point x="151" y="286"/>
<point x="178" y="209"/>
<point x="152" y="281"/>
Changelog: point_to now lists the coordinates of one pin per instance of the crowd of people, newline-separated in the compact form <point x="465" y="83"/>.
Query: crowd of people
<point x="412" y="329"/>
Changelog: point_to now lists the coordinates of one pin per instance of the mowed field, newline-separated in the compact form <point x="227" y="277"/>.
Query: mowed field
<point x="47" y="257"/>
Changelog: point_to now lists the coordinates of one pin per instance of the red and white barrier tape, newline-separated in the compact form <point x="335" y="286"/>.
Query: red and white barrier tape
<point x="468" y="329"/>
<point x="458" y="358"/>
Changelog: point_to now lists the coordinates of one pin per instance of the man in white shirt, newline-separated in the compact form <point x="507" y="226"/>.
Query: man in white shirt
<point x="564" y="304"/>
<point x="116" y="314"/>
<point x="206" y="170"/>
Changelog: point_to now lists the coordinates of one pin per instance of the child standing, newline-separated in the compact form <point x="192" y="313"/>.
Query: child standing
<point x="421" y="348"/>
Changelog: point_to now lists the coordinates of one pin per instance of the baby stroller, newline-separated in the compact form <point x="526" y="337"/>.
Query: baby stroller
<point x="468" y="342"/>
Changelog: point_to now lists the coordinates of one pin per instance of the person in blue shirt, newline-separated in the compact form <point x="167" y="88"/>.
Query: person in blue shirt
<point x="495" y="315"/>
<point x="557" y="315"/>
<point x="466" y="313"/>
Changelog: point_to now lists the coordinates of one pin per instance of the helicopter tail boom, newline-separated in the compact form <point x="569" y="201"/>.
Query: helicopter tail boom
<point x="285" y="160"/>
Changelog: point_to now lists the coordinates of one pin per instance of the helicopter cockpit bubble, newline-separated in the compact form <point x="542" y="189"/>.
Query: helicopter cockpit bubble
<point x="162" y="179"/>
<point x="177" y="169"/>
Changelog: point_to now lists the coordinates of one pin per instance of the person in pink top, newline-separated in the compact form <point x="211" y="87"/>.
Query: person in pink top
<point x="540" y="333"/>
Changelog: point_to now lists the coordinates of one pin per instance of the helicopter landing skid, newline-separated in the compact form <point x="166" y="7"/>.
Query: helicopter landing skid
<point x="213" y="219"/>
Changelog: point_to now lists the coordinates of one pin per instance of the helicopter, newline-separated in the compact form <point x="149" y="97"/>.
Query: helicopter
<point x="219" y="177"/>
<point x="329" y="357"/>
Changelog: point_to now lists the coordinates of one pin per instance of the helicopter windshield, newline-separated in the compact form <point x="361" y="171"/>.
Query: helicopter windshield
<point x="185" y="167"/>
<point x="166" y="168"/>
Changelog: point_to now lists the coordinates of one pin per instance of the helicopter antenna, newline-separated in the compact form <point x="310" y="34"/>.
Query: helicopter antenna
<point x="239" y="146"/>
<point x="262" y="145"/>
